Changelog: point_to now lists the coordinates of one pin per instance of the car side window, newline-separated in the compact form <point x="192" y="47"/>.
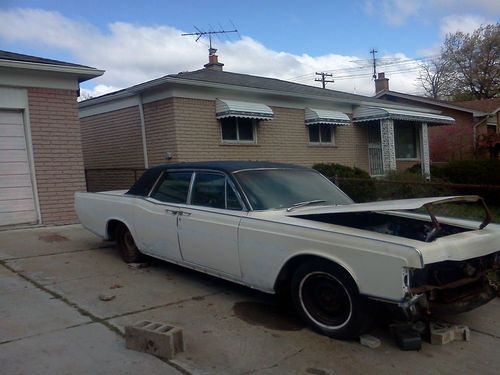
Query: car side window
<point x="232" y="199"/>
<point x="173" y="187"/>
<point x="209" y="190"/>
<point x="213" y="190"/>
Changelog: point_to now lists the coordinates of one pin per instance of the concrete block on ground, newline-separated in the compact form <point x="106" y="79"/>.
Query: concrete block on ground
<point x="159" y="339"/>
<point x="443" y="333"/>
<point x="369" y="341"/>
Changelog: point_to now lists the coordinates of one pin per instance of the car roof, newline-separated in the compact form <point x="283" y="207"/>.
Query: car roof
<point x="144" y="184"/>
<point x="229" y="166"/>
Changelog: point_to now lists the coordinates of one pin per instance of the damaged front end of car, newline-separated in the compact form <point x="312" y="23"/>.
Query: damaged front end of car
<point x="450" y="287"/>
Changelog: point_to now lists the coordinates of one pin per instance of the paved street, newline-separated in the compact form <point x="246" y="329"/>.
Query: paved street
<point x="53" y="322"/>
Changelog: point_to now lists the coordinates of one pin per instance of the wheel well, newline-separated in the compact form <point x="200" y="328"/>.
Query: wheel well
<point x="282" y="284"/>
<point x="112" y="226"/>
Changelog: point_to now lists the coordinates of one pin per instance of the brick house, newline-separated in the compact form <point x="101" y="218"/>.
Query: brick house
<point x="211" y="114"/>
<point x="41" y="163"/>
<point x="476" y="132"/>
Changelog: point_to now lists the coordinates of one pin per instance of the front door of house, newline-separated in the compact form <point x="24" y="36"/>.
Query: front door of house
<point x="375" y="160"/>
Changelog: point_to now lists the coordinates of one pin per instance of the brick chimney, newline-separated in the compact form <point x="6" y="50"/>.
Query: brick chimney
<point x="381" y="83"/>
<point x="213" y="61"/>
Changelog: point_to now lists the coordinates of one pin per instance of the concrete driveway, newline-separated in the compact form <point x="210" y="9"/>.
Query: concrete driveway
<point x="53" y="322"/>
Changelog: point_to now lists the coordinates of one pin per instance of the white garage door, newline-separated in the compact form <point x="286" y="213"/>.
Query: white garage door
<point x="17" y="204"/>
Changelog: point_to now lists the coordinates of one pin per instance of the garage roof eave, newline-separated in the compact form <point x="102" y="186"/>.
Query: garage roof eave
<point x="82" y="73"/>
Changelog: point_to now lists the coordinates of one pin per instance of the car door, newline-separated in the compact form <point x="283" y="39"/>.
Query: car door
<point x="208" y="226"/>
<point x="156" y="215"/>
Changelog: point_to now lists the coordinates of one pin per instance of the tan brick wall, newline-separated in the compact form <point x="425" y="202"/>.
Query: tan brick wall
<point x="110" y="179"/>
<point x="113" y="139"/>
<point x="57" y="151"/>
<point x="160" y="130"/>
<point x="283" y="139"/>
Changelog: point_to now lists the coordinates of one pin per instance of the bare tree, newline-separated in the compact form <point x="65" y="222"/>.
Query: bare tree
<point x="435" y="78"/>
<point x="84" y="95"/>
<point x="467" y="68"/>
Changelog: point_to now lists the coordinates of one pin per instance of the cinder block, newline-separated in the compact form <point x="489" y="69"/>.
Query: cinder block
<point x="442" y="333"/>
<point x="159" y="339"/>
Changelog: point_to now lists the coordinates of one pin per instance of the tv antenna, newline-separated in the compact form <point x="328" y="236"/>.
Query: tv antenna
<point x="199" y="33"/>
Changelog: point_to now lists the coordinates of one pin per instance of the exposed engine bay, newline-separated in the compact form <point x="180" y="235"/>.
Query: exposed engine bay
<point x="453" y="287"/>
<point x="389" y="223"/>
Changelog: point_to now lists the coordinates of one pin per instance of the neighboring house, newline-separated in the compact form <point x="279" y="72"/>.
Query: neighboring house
<point x="41" y="163"/>
<point x="210" y="114"/>
<point x="476" y="132"/>
<point x="487" y="139"/>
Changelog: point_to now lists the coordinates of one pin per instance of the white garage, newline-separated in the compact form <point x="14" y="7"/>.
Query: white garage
<point x="41" y="163"/>
<point x="17" y="199"/>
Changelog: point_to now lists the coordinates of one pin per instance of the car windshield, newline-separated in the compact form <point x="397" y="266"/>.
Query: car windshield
<point x="283" y="188"/>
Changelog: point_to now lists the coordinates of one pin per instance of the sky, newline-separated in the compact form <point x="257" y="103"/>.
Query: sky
<point x="136" y="41"/>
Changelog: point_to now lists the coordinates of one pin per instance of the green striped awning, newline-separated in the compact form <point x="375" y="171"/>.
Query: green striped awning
<point x="232" y="108"/>
<point x="324" y="116"/>
<point x="378" y="113"/>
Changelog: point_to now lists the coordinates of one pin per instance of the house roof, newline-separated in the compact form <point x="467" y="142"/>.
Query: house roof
<point x="485" y="105"/>
<point x="214" y="78"/>
<point x="247" y="80"/>
<point x="249" y="83"/>
<point x="436" y="102"/>
<point x="21" y="61"/>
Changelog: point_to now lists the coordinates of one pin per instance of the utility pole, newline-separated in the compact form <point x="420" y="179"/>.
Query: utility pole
<point x="373" y="52"/>
<point x="323" y="78"/>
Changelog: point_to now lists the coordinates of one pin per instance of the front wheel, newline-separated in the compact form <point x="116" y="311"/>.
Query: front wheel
<point x="126" y="245"/>
<point x="326" y="297"/>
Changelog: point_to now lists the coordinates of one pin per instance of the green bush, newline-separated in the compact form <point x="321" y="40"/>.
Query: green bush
<point x="359" y="191"/>
<point x="403" y="185"/>
<point x="479" y="172"/>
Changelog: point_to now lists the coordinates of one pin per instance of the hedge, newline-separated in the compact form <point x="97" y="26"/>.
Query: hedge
<point x="359" y="191"/>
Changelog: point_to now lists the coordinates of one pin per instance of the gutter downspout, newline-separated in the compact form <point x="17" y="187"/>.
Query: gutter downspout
<point x="143" y="131"/>
<point x="474" y="132"/>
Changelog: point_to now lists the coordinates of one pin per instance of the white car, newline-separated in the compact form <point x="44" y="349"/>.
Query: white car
<point x="284" y="228"/>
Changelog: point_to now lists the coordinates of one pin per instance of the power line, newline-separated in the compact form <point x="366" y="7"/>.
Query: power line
<point x="360" y="68"/>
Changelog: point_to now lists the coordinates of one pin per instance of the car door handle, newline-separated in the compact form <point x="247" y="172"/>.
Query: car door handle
<point x="184" y="213"/>
<point x="173" y="212"/>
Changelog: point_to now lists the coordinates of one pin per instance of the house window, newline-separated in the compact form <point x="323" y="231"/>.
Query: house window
<point x="322" y="134"/>
<point x="407" y="141"/>
<point x="238" y="129"/>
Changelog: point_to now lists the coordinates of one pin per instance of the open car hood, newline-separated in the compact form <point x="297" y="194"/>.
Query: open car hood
<point x="392" y="205"/>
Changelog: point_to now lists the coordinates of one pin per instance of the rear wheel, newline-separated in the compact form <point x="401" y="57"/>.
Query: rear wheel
<point x="126" y="245"/>
<point x="326" y="297"/>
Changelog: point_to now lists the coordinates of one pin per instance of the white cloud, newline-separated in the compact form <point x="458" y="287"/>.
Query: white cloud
<point x="465" y="23"/>
<point x="132" y="54"/>
<point x="97" y="90"/>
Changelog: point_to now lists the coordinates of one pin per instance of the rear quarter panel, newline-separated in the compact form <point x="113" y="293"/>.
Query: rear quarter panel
<point x="95" y="210"/>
